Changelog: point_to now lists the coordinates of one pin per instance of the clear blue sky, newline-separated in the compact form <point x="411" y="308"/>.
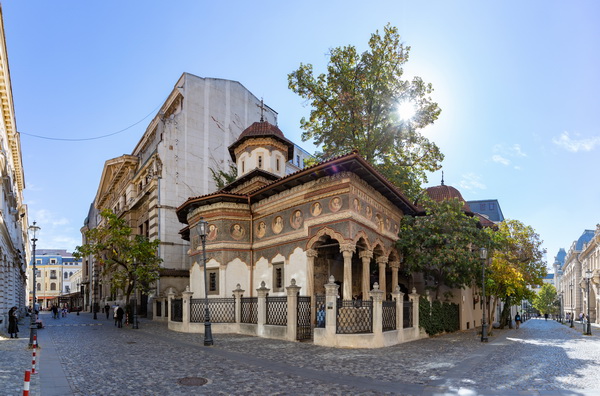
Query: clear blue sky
<point x="517" y="81"/>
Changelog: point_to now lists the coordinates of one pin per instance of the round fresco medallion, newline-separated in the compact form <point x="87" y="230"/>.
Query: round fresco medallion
<point x="335" y="204"/>
<point x="277" y="225"/>
<point x="237" y="231"/>
<point x="297" y="219"/>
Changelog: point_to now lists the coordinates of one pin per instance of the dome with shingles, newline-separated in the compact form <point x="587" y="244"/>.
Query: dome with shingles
<point x="443" y="192"/>
<point x="262" y="129"/>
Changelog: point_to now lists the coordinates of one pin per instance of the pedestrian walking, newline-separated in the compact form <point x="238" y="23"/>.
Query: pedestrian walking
<point x="107" y="310"/>
<point x="13" y="323"/>
<point x="54" y="312"/>
<point x="517" y="320"/>
<point x="119" y="315"/>
<point x="545" y="316"/>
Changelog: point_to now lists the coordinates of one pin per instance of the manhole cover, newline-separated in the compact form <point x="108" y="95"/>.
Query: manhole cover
<point x="192" y="381"/>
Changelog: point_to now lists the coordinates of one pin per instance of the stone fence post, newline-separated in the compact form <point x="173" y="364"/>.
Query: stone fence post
<point x="262" y="293"/>
<point x="292" y="310"/>
<point x="414" y="297"/>
<point x="377" y="296"/>
<point x="331" y="295"/>
<point x="399" y="297"/>
<point x="170" y="297"/>
<point x="186" y="307"/>
<point x="237" y="294"/>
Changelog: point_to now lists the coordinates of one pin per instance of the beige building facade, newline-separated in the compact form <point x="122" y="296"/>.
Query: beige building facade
<point x="14" y="246"/>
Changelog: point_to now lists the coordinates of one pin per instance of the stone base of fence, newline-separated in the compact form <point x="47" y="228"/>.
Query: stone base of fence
<point x="329" y="335"/>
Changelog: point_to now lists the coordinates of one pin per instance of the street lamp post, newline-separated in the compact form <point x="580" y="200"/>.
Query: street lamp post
<point x="588" y="278"/>
<point x="94" y="290"/>
<point x="483" y="255"/>
<point x="208" y="340"/>
<point x="33" y="325"/>
<point x="135" y="324"/>
<point x="572" y="311"/>
<point x="560" y="307"/>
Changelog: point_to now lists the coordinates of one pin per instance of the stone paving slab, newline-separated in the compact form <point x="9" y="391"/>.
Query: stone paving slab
<point x="541" y="358"/>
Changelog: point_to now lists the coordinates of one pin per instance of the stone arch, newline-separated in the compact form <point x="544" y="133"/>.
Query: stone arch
<point x="361" y="235"/>
<point x="323" y="232"/>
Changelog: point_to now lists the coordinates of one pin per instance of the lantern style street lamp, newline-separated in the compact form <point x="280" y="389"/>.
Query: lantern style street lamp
<point x="588" y="278"/>
<point x="572" y="310"/>
<point x="34" y="313"/>
<point x="202" y="230"/>
<point x="483" y="255"/>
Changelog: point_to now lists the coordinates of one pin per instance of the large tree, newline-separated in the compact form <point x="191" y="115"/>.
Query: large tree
<point x="545" y="300"/>
<point x="443" y="244"/>
<point x="128" y="260"/>
<point x="516" y="264"/>
<point x="355" y="106"/>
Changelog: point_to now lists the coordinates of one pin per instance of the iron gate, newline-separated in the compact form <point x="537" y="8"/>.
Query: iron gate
<point x="303" y="327"/>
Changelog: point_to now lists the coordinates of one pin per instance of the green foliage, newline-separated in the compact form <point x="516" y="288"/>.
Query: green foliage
<point x="441" y="244"/>
<point x="122" y="256"/>
<point x="516" y="263"/>
<point x="546" y="299"/>
<point x="355" y="106"/>
<point x="222" y="178"/>
<point x="438" y="317"/>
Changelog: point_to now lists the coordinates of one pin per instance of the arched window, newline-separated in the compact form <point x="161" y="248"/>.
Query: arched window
<point x="70" y="273"/>
<point x="52" y="286"/>
<point x="38" y="287"/>
<point x="260" y="161"/>
<point x="66" y="275"/>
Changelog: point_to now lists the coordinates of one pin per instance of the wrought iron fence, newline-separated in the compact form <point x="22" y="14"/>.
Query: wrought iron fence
<point x="221" y="310"/>
<point x="354" y="316"/>
<point x="277" y="311"/>
<point x="320" y="306"/>
<point x="249" y="310"/>
<point x="158" y="312"/>
<point x="389" y="315"/>
<point x="407" y="314"/>
<point x="304" y="325"/>
<point x="177" y="310"/>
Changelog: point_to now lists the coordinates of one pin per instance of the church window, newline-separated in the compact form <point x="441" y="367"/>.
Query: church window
<point x="213" y="281"/>
<point x="243" y="166"/>
<point x="260" y="161"/>
<point x="277" y="164"/>
<point x="298" y="160"/>
<point x="278" y="285"/>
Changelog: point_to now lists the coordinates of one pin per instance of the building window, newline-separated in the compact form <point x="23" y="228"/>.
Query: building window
<point x="482" y="206"/>
<point x="38" y="287"/>
<point x="66" y="275"/>
<point x="260" y="161"/>
<point x="52" y="286"/>
<point x="38" y="261"/>
<point x="70" y="273"/>
<point x="298" y="160"/>
<point x="278" y="277"/>
<point x="277" y="164"/>
<point x="492" y="207"/>
<point x="52" y="261"/>
<point x="243" y="166"/>
<point x="52" y="274"/>
<point x="38" y="273"/>
<point x="213" y="281"/>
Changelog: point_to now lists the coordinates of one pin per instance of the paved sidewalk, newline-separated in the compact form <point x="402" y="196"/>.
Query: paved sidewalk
<point x="81" y="356"/>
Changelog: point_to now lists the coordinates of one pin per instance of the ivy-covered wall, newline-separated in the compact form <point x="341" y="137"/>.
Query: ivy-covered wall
<point x="438" y="317"/>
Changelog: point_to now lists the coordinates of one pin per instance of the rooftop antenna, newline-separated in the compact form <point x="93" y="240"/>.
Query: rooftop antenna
<point x="442" y="178"/>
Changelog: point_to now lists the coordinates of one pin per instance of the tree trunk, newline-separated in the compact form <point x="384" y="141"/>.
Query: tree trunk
<point x="505" y="318"/>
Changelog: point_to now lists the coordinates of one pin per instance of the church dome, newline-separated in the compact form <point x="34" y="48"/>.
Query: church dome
<point x="262" y="129"/>
<point x="443" y="192"/>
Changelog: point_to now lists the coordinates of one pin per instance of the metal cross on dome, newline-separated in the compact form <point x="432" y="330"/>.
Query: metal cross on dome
<point x="262" y="110"/>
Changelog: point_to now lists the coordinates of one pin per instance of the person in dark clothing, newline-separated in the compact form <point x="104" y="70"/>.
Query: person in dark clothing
<point x="106" y="310"/>
<point x="13" y="325"/>
<point x="119" y="316"/>
<point x="517" y="320"/>
<point x="546" y="316"/>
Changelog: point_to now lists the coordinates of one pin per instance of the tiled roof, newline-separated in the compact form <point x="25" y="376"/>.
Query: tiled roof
<point x="262" y="129"/>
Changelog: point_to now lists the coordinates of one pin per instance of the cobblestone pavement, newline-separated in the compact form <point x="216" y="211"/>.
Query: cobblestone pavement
<point x="541" y="358"/>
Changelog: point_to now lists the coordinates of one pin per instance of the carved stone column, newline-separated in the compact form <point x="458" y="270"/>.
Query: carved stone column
<point x="395" y="266"/>
<point x="382" y="261"/>
<point x="347" y="251"/>
<point x="366" y="256"/>
<point x="311" y="255"/>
